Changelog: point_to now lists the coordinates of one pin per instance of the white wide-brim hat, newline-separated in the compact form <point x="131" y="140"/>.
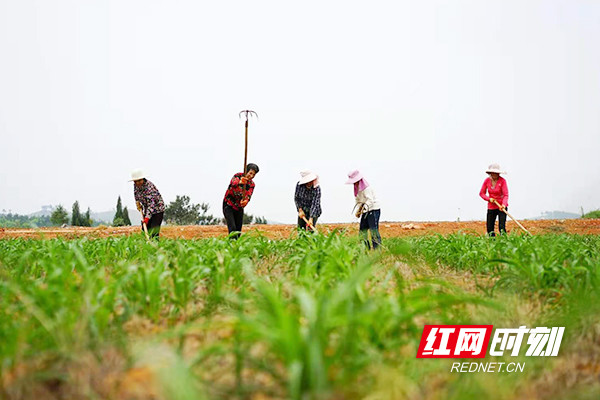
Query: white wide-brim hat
<point x="353" y="177"/>
<point x="494" y="168"/>
<point x="137" y="174"/>
<point x="307" y="176"/>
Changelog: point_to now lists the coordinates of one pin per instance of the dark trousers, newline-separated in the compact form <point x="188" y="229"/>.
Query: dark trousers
<point x="370" y="222"/>
<point x="302" y="224"/>
<point x="154" y="225"/>
<point x="234" y="220"/>
<point x="491" y="221"/>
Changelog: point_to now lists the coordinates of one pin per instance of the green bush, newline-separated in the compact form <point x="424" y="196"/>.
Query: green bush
<point x="592" y="214"/>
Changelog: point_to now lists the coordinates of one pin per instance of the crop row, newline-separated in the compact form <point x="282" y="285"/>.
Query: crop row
<point x="311" y="315"/>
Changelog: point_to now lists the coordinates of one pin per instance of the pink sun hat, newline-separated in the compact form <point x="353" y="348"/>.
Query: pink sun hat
<point x="353" y="177"/>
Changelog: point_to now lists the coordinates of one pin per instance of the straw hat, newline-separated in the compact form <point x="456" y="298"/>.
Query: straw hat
<point x="353" y="177"/>
<point x="494" y="168"/>
<point x="137" y="174"/>
<point x="307" y="176"/>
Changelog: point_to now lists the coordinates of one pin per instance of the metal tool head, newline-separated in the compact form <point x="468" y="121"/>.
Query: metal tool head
<point x="248" y="113"/>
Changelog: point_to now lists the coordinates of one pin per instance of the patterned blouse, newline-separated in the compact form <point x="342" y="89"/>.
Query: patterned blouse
<point x="309" y="199"/>
<point x="150" y="199"/>
<point x="236" y="192"/>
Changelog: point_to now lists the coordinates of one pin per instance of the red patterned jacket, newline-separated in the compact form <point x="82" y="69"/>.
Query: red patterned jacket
<point x="236" y="192"/>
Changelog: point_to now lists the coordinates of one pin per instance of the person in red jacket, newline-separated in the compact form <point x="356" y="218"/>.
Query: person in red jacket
<point x="237" y="196"/>
<point x="495" y="187"/>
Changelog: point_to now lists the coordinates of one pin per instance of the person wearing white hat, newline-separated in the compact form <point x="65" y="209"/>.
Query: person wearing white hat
<point x="367" y="209"/>
<point x="308" y="199"/>
<point x="148" y="201"/>
<point x="495" y="188"/>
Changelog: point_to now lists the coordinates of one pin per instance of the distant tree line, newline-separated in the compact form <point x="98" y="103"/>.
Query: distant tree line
<point x="179" y="212"/>
<point x="11" y="220"/>
<point x="60" y="216"/>
<point x="183" y="212"/>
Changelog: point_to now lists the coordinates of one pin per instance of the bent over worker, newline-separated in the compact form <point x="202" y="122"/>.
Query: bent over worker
<point x="367" y="209"/>
<point x="149" y="202"/>
<point x="237" y="196"/>
<point x="308" y="199"/>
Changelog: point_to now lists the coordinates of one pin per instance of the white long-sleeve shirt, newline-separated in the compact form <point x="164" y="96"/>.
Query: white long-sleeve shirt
<point x="368" y="198"/>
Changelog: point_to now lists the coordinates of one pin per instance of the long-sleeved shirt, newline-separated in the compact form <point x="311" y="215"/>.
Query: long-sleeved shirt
<point x="498" y="192"/>
<point x="236" y="192"/>
<point x="368" y="198"/>
<point x="150" y="199"/>
<point x="309" y="199"/>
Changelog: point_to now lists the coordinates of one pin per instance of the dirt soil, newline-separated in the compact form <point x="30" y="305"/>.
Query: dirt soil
<point x="387" y="229"/>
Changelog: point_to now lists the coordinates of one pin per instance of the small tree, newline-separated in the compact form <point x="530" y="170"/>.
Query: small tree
<point x="126" y="220"/>
<point x="76" y="215"/>
<point x="260" y="221"/>
<point x="592" y="214"/>
<point x="205" y="218"/>
<point x="182" y="212"/>
<point x="247" y="220"/>
<point x="59" y="216"/>
<point x="118" y="220"/>
<point x="86" y="220"/>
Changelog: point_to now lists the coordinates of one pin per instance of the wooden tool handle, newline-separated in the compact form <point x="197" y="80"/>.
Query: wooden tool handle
<point x="503" y="209"/>
<point x="309" y="224"/>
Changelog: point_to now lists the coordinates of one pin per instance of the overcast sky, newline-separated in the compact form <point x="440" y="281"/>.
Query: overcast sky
<point x="419" y="95"/>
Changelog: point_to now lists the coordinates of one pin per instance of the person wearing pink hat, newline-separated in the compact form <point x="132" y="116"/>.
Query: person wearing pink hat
<point x="495" y="188"/>
<point x="367" y="209"/>
<point x="308" y="199"/>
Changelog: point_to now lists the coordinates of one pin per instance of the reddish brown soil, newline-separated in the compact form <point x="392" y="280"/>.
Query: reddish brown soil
<point x="387" y="229"/>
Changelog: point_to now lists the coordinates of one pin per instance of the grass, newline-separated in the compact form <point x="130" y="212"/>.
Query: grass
<point x="308" y="318"/>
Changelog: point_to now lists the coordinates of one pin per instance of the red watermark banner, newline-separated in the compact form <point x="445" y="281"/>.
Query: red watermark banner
<point x="454" y="341"/>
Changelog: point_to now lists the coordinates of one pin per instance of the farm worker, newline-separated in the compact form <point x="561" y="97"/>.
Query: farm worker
<point x="367" y="208"/>
<point x="308" y="199"/>
<point x="237" y="196"/>
<point x="495" y="187"/>
<point x="149" y="202"/>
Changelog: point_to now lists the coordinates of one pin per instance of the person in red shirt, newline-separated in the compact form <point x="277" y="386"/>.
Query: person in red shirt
<point x="237" y="196"/>
<point x="495" y="187"/>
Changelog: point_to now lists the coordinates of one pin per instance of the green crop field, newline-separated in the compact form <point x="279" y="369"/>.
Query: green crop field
<point x="316" y="317"/>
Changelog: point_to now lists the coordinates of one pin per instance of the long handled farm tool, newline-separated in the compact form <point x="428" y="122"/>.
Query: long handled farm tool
<point x="249" y="113"/>
<point x="139" y="207"/>
<point x="503" y="209"/>
<point x="311" y="226"/>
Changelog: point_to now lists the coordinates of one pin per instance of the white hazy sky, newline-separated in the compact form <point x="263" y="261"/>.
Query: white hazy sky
<point x="419" y="95"/>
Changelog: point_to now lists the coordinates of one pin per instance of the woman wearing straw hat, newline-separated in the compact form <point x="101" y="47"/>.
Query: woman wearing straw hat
<point x="237" y="196"/>
<point x="367" y="209"/>
<point x="149" y="202"/>
<point x="495" y="188"/>
<point x="308" y="199"/>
